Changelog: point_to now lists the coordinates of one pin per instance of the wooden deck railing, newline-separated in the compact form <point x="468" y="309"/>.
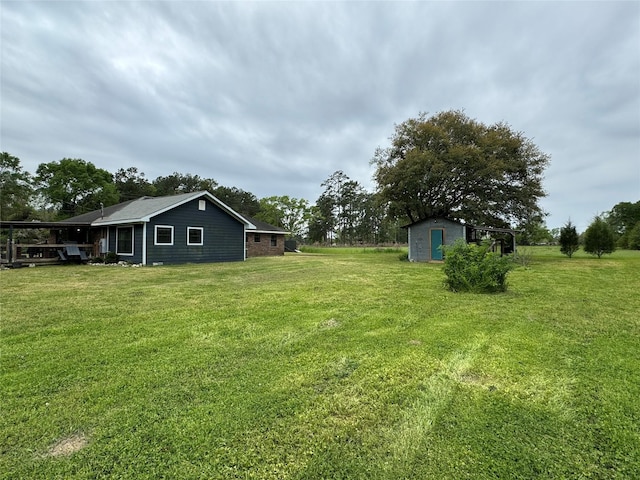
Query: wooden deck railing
<point x="40" y="252"/>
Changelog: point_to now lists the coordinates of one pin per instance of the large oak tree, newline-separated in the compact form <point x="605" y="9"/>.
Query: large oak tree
<point x="75" y="186"/>
<point x="453" y="166"/>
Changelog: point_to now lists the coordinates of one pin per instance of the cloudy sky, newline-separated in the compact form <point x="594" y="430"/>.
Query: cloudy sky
<point x="273" y="97"/>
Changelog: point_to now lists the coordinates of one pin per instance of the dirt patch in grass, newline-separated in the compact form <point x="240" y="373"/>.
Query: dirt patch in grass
<point x="331" y="323"/>
<point x="68" y="446"/>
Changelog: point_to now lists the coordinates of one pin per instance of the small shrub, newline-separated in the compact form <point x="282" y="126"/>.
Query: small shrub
<point x="474" y="268"/>
<point x="523" y="257"/>
<point x="404" y="257"/>
<point x="111" y="257"/>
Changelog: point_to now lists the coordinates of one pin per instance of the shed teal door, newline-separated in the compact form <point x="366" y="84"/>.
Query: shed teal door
<point x="437" y="236"/>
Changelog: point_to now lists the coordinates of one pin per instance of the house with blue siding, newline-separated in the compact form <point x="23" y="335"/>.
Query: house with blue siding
<point x="186" y="228"/>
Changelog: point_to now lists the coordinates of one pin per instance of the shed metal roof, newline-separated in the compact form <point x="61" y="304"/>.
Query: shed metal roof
<point x="475" y="227"/>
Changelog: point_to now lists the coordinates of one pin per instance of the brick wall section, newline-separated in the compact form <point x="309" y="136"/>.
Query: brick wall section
<point x="263" y="248"/>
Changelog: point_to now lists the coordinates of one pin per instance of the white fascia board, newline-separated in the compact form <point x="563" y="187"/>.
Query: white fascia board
<point x="275" y="232"/>
<point x="128" y="221"/>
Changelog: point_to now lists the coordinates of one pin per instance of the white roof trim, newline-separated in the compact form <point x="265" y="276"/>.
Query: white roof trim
<point x="275" y="232"/>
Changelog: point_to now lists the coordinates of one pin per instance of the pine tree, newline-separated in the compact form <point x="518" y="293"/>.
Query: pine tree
<point x="569" y="239"/>
<point x="599" y="238"/>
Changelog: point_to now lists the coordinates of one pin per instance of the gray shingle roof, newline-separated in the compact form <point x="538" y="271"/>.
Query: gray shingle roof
<point x="263" y="227"/>
<point x="94" y="215"/>
<point x="142" y="209"/>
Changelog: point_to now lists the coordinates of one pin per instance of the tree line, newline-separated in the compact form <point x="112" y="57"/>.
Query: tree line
<point x="446" y="165"/>
<point x="618" y="228"/>
<point x="344" y="213"/>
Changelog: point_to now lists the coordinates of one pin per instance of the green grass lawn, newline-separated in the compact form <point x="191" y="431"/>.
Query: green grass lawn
<point x="316" y="366"/>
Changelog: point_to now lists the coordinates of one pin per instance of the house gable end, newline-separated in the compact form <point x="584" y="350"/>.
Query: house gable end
<point x="221" y="235"/>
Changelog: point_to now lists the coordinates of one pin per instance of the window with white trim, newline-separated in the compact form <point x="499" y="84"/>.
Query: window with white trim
<point x="163" y="235"/>
<point x="124" y="240"/>
<point x="202" y="205"/>
<point x="195" y="236"/>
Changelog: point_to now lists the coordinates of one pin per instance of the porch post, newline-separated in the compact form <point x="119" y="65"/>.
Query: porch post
<point x="144" y="242"/>
<point x="10" y="245"/>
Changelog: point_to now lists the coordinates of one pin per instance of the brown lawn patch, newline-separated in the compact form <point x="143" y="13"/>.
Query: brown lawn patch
<point x="68" y="446"/>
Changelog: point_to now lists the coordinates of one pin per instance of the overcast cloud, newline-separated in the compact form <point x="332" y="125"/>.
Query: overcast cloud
<point x="273" y="97"/>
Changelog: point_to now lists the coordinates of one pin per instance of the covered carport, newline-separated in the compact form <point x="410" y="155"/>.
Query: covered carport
<point x="503" y="239"/>
<point x="66" y="241"/>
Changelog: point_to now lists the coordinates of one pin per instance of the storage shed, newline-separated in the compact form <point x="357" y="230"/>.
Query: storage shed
<point x="427" y="236"/>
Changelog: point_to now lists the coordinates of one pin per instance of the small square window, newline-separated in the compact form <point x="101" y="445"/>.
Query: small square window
<point x="256" y="238"/>
<point x="164" y="235"/>
<point x="195" y="236"/>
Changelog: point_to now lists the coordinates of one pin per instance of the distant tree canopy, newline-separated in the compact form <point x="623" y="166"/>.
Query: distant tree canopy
<point x="131" y="184"/>
<point x="346" y="213"/>
<point x="533" y="232"/>
<point x="177" y="183"/>
<point x="624" y="218"/>
<point x="633" y="237"/>
<point x="453" y="166"/>
<point x="15" y="189"/>
<point x="75" y="186"/>
<point x="239" y="200"/>
<point x="286" y="212"/>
